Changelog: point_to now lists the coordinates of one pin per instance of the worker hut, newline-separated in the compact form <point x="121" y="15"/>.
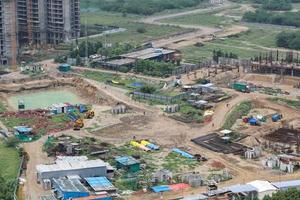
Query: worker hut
<point x="128" y="163"/>
<point x="66" y="189"/>
<point x="100" y="184"/>
<point x="64" y="68"/>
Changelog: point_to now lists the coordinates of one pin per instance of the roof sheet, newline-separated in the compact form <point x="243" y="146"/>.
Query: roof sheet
<point x="287" y="184"/>
<point x="100" y="184"/>
<point x="67" y="165"/>
<point x="48" y="197"/>
<point x="147" y="53"/>
<point x="70" y="185"/>
<point x="161" y="188"/>
<point x="262" y="186"/>
<point x="123" y="61"/>
<point x="126" y="160"/>
<point x="241" y="188"/>
<point x="196" y="197"/>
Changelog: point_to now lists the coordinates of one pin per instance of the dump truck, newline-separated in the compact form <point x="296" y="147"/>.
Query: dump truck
<point x="78" y="124"/>
<point x="241" y="87"/>
<point x="90" y="114"/>
<point x="276" y="117"/>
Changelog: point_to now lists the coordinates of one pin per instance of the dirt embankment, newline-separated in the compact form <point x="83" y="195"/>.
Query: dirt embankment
<point x="82" y="87"/>
<point x="272" y="78"/>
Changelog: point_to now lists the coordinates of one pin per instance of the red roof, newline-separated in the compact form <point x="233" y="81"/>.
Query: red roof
<point x="179" y="186"/>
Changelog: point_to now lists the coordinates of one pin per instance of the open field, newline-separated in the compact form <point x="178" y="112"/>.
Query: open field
<point x="131" y="35"/>
<point x="10" y="161"/>
<point x="210" y="20"/>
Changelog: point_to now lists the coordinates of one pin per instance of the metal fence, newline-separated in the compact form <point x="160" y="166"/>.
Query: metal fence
<point x="17" y="179"/>
<point x="155" y="97"/>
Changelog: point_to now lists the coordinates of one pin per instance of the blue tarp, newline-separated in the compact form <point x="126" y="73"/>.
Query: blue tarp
<point x="137" y="84"/>
<point x="152" y="146"/>
<point x="73" y="117"/>
<point x="23" y="129"/>
<point x="252" y="121"/>
<point x="182" y="153"/>
<point x="276" y="117"/>
<point x="161" y="188"/>
<point x="82" y="108"/>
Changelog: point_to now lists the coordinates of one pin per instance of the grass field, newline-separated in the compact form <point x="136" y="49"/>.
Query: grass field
<point x="10" y="161"/>
<point x="131" y="35"/>
<point x="210" y="20"/>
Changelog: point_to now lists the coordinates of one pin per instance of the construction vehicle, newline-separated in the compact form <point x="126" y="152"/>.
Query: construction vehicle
<point x="89" y="114"/>
<point x="78" y="124"/>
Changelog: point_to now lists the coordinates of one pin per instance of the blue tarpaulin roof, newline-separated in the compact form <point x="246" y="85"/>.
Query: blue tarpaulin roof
<point x="287" y="184"/>
<point x="161" y="188"/>
<point x="136" y="84"/>
<point x="182" y="153"/>
<point x="100" y="183"/>
<point x="23" y="129"/>
<point x="241" y="188"/>
<point x="126" y="160"/>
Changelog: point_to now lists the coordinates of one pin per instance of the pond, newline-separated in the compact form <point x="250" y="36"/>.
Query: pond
<point x="44" y="99"/>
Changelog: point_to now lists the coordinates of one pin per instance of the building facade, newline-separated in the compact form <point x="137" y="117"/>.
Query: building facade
<point x="36" y="22"/>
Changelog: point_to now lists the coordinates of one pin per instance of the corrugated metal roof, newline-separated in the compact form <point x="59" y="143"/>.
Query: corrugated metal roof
<point x="262" y="186"/>
<point x="48" y="197"/>
<point x="100" y="184"/>
<point x="287" y="184"/>
<point x="67" y="165"/>
<point x="126" y="160"/>
<point x="147" y="53"/>
<point x="70" y="185"/>
<point x="196" y="197"/>
<point x="241" y="188"/>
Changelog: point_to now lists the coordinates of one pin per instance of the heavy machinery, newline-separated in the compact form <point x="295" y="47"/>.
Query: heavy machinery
<point x="89" y="114"/>
<point x="242" y="87"/>
<point x="78" y="124"/>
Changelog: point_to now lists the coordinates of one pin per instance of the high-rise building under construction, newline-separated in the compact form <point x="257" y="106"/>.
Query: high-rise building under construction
<point x="40" y="22"/>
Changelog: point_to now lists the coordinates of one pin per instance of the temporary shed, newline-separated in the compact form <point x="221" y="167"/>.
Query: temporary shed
<point x="72" y="166"/>
<point x="64" y="68"/>
<point x="284" y="185"/>
<point x="196" y="197"/>
<point x="23" y="130"/>
<point x="100" y="184"/>
<point x="127" y="162"/>
<point x="97" y="197"/>
<point x="67" y="189"/>
<point x="263" y="188"/>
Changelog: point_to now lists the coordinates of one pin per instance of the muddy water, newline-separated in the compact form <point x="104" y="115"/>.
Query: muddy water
<point x="44" y="99"/>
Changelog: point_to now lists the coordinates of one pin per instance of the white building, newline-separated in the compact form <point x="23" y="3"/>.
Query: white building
<point x="263" y="188"/>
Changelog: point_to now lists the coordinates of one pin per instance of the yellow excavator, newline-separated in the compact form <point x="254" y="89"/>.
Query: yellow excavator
<point x="78" y="124"/>
<point x="90" y="114"/>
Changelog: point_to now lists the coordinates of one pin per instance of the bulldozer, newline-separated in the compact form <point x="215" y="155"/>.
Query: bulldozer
<point x="78" y="124"/>
<point x="89" y="114"/>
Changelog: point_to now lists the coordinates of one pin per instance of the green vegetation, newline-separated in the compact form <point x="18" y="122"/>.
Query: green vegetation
<point x="10" y="161"/>
<point x="288" y="102"/>
<point x="11" y="122"/>
<point x="276" y="4"/>
<point x="131" y="35"/>
<point x="2" y="107"/>
<point x="154" y="68"/>
<point x="289" y="40"/>
<point x="7" y="188"/>
<point x="177" y="163"/>
<point x="240" y="110"/>
<point x="190" y="113"/>
<point x="290" y="194"/>
<point x="61" y="118"/>
<point x="208" y="19"/>
<point x="144" y="7"/>
<point x="219" y="53"/>
<point x="282" y="18"/>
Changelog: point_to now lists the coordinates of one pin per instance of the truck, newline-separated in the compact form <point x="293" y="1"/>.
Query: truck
<point x="242" y="87"/>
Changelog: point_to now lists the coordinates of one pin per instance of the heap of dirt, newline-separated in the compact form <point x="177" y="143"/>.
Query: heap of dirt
<point x="260" y="78"/>
<point x="225" y="77"/>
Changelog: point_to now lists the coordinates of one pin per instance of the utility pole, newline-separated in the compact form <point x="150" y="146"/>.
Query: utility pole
<point x="86" y="44"/>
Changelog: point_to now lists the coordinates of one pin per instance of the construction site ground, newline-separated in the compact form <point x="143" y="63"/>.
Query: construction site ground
<point x="144" y="121"/>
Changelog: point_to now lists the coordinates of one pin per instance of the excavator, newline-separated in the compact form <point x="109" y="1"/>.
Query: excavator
<point x="78" y="124"/>
<point x="89" y="114"/>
